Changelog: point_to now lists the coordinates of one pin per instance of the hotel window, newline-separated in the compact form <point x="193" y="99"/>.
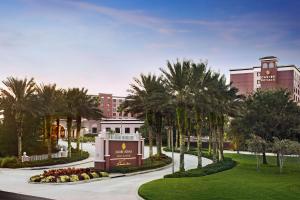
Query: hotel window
<point x="127" y="130"/>
<point x="258" y="73"/>
<point x="107" y="129"/>
<point x="136" y="130"/>
<point x="114" y="100"/>
<point x="117" y="130"/>
<point x="94" y="130"/>
<point x="265" y="65"/>
<point x="258" y="81"/>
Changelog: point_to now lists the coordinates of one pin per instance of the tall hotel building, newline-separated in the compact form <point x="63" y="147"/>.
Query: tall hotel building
<point x="269" y="75"/>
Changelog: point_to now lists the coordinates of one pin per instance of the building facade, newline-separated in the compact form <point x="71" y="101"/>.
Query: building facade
<point x="269" y="75"/>
<point x="114" y="121"/>
<point x="110" y="104"/>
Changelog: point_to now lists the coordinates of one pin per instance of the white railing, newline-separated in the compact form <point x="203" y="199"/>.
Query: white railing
<point x="60" y="154"/>
<point x="125" y="136"/>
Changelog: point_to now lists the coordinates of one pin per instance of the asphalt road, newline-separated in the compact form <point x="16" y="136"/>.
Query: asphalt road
<point x="15" y="196"/>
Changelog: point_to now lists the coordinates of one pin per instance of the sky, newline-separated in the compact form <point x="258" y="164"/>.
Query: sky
<point x="102" y="44"/>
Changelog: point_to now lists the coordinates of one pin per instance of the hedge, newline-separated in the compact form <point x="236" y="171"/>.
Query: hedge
<point x="213" y="168"/>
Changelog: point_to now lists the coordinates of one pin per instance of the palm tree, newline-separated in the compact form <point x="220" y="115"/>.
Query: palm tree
<point x="146" y="99"/>
<point x="49" y="100"/>
<point x="70" y="103"/>
<point x="18" y="94"/>
<point x="200" y="89"/>
<point x="177" y="77"/>
<point x="87" y="107"/>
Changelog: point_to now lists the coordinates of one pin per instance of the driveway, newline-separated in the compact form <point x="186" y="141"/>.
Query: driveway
<point x="123" y="188"/>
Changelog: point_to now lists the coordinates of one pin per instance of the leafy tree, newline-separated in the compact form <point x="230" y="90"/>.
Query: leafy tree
<point x="271" y="114"/>
<point x="282" y="148"/>
<point x="256" y="145"/>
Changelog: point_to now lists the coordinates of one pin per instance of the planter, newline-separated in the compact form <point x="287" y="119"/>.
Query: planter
<point x="69" y="175"/>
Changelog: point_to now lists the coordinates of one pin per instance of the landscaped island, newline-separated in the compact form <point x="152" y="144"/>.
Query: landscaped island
<point x="68" y="175"/>
<point x="241" y="182"/>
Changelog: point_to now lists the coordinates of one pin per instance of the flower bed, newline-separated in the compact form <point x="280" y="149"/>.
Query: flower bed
<point x="68" y="175"/>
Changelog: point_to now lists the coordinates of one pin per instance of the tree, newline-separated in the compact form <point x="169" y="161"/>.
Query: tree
<point x="70" y="103"/>
<point x="256" y="145"/>
<point x="177" y="78"/>
<point x="282" y="148"/>
<point x="147" y="99"/>
<point x="19" y="95"/>
<point x="86" y="107"/>
<point x="48" y="100"/>
<point x="271" y="114"/>
<point x="200" y="84"/>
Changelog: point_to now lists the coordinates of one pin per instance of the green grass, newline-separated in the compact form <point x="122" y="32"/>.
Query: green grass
<point x="241" y="182"/>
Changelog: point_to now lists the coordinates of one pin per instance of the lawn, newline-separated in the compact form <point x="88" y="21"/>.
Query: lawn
<point x="241" y="182"/>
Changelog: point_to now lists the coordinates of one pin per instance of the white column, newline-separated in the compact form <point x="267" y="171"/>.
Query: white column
<point x="99" y="147"/>
<point x="107" y="147"/>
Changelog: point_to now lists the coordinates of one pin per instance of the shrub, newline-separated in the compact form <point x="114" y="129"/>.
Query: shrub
<point x="95" y="175"/>
<point x="48" y="179"/>
<point x="104" y="174"/>
<point x="228" y="163"/>
<point x="8" y="161"/>
<point x="74" y="178"/>
<point x="63" y="179"/>
<point x="36" y="178"/>
<point x="85" y="176"/>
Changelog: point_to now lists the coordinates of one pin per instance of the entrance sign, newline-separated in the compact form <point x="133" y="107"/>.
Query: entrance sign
<point x="114" y="150"/>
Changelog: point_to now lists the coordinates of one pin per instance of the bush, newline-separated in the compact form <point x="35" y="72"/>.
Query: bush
<point x="228" y="163"/>
<point x="104" y="174"/>
<point x="74" y="178"/>
<point x="12" y="162"/>
<point x="63" y="179"/>
<point x="95" y="175"/>
<point x="8" y="161"/>
<point x="85" y="176"/>
<point x="149" y="163"/>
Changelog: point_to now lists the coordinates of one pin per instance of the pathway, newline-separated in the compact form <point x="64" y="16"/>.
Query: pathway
<point x="124" y="188"/>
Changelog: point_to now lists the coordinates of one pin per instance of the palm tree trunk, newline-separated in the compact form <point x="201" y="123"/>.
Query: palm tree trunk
<point x="19" y="145"/>
<point x="199" y="141"/>
<point x="158" y="143"/>
<point x="210" y="137"/>
<point x="19" y="122"/>
<point x="176" y="139"/>
<point x="169" y="138"/>
<point x="221" y="156"/>
<point x="78" y="128"/>
<point x="150" y="141"/>
<point x="57" y="130"/>
<point x="188" y="140"/>
<point x="49" y="132"/>
<point x="180" y="124"/>
<point x="69" y="129"/>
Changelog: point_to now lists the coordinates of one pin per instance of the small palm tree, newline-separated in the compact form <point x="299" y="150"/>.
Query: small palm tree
<point x="19" y="95"/>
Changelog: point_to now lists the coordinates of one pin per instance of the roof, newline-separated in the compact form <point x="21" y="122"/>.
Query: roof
<point x="268" y="57"/>
<point x="251" y="68"/>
